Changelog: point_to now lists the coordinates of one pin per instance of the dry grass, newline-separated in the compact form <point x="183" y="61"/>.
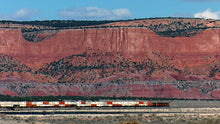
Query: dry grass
<point x="207" y="121"/>
<point x="130" y="122"/>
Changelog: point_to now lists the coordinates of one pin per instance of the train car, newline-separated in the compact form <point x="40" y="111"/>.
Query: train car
<point x="160" y="104"/>
<point x="69" y="103"/>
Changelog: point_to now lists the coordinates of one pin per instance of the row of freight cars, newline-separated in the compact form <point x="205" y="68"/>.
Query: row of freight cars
<point x="13" y="104"/>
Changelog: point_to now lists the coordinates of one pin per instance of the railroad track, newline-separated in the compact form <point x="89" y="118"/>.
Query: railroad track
<point x="81" y="112"/>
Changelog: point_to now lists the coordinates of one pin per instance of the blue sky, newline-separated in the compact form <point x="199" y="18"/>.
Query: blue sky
<point x="106" y="9"/>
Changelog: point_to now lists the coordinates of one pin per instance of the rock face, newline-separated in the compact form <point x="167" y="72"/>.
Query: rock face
<point x="118" y="52"/>
<point x="190" y="90"/>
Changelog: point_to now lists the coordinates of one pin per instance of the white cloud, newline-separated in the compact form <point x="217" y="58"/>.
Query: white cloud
<point x="207" y="14"/>
<point x="95" y="13"/>
<point x="122" y="13"/>
<point x="20" y="15"/>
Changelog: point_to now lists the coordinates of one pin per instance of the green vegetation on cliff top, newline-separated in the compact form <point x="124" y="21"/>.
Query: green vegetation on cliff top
<point x="77" y="23"/>
<point x="176" y="28"/>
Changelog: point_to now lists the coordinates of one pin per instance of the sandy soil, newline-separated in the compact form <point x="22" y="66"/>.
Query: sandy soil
<point x="173" y="115"/>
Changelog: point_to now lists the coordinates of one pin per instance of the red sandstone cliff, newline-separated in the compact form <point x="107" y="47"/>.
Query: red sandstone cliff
<point x="120" y="52"/>
<point x="184" y="53"/>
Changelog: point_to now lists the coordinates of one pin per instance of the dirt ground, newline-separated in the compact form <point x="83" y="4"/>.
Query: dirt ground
<point x="116" y="119"/>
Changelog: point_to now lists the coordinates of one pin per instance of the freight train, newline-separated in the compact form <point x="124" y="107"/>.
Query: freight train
<point x="26" y="104"/>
